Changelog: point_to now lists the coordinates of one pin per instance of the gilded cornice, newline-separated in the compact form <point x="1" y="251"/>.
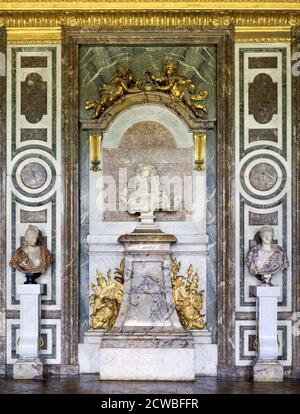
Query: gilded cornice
<point x="40" y="21"/>
<point x="91" y="5"/>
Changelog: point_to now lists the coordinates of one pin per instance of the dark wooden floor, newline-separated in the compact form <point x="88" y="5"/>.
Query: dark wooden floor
<point x="90" y="384"/>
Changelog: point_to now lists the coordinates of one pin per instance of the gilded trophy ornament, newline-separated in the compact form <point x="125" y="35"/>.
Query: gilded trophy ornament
<point x="178" y="87"/>
<point x="188" y="300"/>
<point x="106" y="298"/>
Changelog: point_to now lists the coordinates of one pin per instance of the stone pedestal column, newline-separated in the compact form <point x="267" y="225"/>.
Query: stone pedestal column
<point x="148" y="341"/>
<point x="29" y="365"/>
<point x="267" y="367"/>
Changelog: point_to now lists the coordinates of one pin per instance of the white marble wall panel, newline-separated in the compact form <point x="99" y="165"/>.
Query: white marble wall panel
<point x="263" y="177"/>
<point x="34" y="189"/>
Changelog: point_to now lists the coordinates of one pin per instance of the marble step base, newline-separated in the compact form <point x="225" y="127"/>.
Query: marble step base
<point x="152" y="357"/>
<point x="147" y="364"/>
<point x="28" y="369"/>
<point x="206" y="353"/>
<point x="267" y="371"/>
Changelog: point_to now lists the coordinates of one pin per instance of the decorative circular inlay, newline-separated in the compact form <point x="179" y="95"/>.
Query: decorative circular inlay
<point x="33" y="175"/>
<point x="263" y="176"/>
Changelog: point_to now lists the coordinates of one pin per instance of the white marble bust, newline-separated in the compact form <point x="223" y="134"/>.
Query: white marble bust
<point x="266" y="259"/>
<point x="145" y="194"/>
<point x="32" y="257"/>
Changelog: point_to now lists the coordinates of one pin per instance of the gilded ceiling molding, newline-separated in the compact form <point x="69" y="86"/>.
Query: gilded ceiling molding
<point x="148" y="18"/>
<point x="29" y="35"/>
<point x="38" y="21"/>
<point x="263" y="34"/>
<point x="50" y="5"/>
<point x="52" y="35"/>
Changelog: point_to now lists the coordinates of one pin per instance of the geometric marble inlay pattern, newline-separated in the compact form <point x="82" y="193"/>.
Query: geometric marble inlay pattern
<point x="263" y="174"/>
<point x="246" y="342"/>
<point x="33" y="175"/>
<point x="49" y="345"/>
<point x="34" y="178"/>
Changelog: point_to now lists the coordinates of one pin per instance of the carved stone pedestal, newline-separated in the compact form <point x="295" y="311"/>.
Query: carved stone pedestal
<point x="148" y="341"/>
<point x="29" y="365"/>
<point x="267" y="368"/>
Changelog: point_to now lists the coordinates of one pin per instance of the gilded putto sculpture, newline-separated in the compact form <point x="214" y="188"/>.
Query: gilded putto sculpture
<point x="188" y="300"/>
<point x="177" y="86"/>
<point x="122" y="83"/>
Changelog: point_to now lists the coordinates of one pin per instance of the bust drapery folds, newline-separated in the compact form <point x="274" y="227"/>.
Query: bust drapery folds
<point x="32" y="257"/>
<point x="266" y="259"/>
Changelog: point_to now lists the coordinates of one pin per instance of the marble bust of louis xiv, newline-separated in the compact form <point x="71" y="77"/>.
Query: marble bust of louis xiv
<point x="266" y="259"/>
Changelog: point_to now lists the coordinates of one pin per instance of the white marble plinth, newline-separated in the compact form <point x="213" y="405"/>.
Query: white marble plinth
<point x="267" y="367"/>
<point x="161" y="354"/>
<point x="267" y="321"/>
<point x="28" y="369"/>
<point x="267" y="371"/>
<point x="147" y="364"/>
<point x="205" y="353"/>
<point x="89" y="352"/>
<point x="29" y="365"/>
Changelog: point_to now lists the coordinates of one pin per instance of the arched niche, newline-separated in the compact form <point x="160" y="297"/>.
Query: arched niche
<point x="146" y="112"/>
<point x="193" y="123"/>
<point x="154" y="133"/>
<point x="172" y="118"/>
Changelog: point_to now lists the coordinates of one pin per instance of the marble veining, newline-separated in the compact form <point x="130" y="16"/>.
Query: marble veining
<point x="96" y="65"/>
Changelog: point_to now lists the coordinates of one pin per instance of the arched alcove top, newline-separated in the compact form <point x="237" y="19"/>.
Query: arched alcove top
<point x="136" y="114"/>
<point x="192" y="122"/>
